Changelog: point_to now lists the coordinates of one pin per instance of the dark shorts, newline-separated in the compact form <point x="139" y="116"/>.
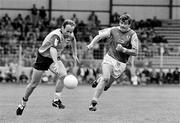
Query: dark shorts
<point x="42" y="63"/>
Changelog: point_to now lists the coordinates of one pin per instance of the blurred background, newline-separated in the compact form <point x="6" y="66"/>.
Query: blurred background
<point x="25" y="23"/>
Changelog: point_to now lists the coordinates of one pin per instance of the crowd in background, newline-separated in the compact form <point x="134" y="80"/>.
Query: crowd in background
<point x="29" y="31"/>
<point x="86" y="74"/>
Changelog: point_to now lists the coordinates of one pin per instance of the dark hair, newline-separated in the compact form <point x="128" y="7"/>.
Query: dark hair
<point x="68" y="22"/>
<point x="125" y="17"/>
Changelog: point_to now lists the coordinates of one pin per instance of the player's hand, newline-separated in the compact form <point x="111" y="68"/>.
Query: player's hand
<point x="120" y="48"/>
<point x="57" y="68"/>
<point x="90" y="46"/>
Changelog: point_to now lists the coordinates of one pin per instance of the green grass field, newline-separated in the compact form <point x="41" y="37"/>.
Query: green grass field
<point x="121" y="104"/>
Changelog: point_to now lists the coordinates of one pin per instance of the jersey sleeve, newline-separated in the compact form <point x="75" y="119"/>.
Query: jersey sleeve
<point x="106" y="31"/>
<point x="134" y="41"/>
<point x="55" y="39"/>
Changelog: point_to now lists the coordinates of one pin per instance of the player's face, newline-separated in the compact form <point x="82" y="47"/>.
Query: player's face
<point x="68" y="31"/>
<point x="124" y="26"/>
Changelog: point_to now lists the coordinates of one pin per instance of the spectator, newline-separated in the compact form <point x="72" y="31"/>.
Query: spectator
<point x="60" y="20"/>
<point x="34" y="13"/>
<point x="161" y="76"/>
<point x="42" y="13"/>
<point x="115" y="18"/>
<point x="156" y="22"/>
<point x="145" y="75"/>
<point x="6" y="18"/>
<point x="176" y="76"/>
<point x="90" y="73"/>
<point x="9" y="76"/>
<point x="169" y="77"/>
<point x="128" y="73"/>
<point x="93" y="19"/>
<point x="75" y="19"/>
<point x="154" y="77"/>
<point x="23" y="78"/>
<point x="81" y="26"/>
<point x="53" y="23"/>
<point x="81" y="73"/>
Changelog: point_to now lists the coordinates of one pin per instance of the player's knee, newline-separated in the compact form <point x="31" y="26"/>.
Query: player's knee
<point x="33" y="85"/>
<point x="103" y="82"/>
<point x="62" y="76"/>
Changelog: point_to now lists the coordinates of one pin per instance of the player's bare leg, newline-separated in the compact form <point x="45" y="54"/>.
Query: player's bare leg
<point x="58" y="93"/>
<point x="106" y="69"/>
<point x="59" y="86"/>
<point x="96" y="81"/>
<point x="36" y="77"/>
<point x="109" y="83"/>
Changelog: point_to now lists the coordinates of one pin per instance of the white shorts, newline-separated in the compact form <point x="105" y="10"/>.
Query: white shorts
<point x="118" y="67"/>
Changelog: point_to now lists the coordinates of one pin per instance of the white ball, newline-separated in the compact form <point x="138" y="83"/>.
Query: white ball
<point x="70" y="82"/>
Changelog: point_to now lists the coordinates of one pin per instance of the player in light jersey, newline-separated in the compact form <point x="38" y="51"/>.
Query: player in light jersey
<point x="47" y="58"/>
<point x="123" y="44"/>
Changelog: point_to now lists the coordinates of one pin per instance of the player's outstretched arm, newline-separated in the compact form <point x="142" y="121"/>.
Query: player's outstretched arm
<point x="97" y="38"/>
<point x="74" y="50"/>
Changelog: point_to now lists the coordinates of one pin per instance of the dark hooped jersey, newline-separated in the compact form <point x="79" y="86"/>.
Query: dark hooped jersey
<point x="53" y="39"/>
<point x="128" y="40"/>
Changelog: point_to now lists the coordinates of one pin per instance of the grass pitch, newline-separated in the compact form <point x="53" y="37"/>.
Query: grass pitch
<point x="120" y="104"/>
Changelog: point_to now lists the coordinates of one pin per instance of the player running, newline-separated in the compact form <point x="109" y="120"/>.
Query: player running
<point x="123" y="44"/>
<point x="47" y="58"/>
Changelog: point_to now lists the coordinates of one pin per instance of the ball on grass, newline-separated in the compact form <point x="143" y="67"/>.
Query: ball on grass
<point x="70" y="82"/>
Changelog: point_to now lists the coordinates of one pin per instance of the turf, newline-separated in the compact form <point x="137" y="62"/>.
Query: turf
<point x="120" y="104"/>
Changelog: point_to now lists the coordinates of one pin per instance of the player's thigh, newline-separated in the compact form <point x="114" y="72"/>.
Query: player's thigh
<point x="63" y="71"/>
<point x="106" y="70"/>
<point x="118" y="69"/>
<point x="36" y="76"/>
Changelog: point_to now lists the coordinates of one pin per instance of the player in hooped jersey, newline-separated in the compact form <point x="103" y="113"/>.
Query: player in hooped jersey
<point x="123" y="44"/>
<point x="47" y="58"/>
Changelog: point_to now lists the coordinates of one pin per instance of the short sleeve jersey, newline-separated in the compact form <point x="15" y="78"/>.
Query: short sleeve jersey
<point x="53" y="39"/>
<point x="128" y="40"/>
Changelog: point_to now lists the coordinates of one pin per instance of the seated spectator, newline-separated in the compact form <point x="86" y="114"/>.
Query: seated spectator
<point x="169" y="77"/>
<point x="9" y="76"/>
<point x="81" y="73"/>
<point x="128" y="73"/>
<point x="159" y="39"/>
<point x="23" y="78"/>
<point x="145" y="76"/>
<point x="90" y="73"/>
<point x="156" y="22"/>
<point x="81" y="26"/>
<point x="176" y="76"/>
<point x="161" y="76"/>
<point x="154" y="77"/>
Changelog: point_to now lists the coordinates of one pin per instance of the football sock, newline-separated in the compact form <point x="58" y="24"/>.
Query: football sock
<point x="57" y="96"/>
<point x="24" y="101"/>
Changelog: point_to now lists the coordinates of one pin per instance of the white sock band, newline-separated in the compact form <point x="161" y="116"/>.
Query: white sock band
<point x="94" y="98"/>
<point x="58" y="95"/>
